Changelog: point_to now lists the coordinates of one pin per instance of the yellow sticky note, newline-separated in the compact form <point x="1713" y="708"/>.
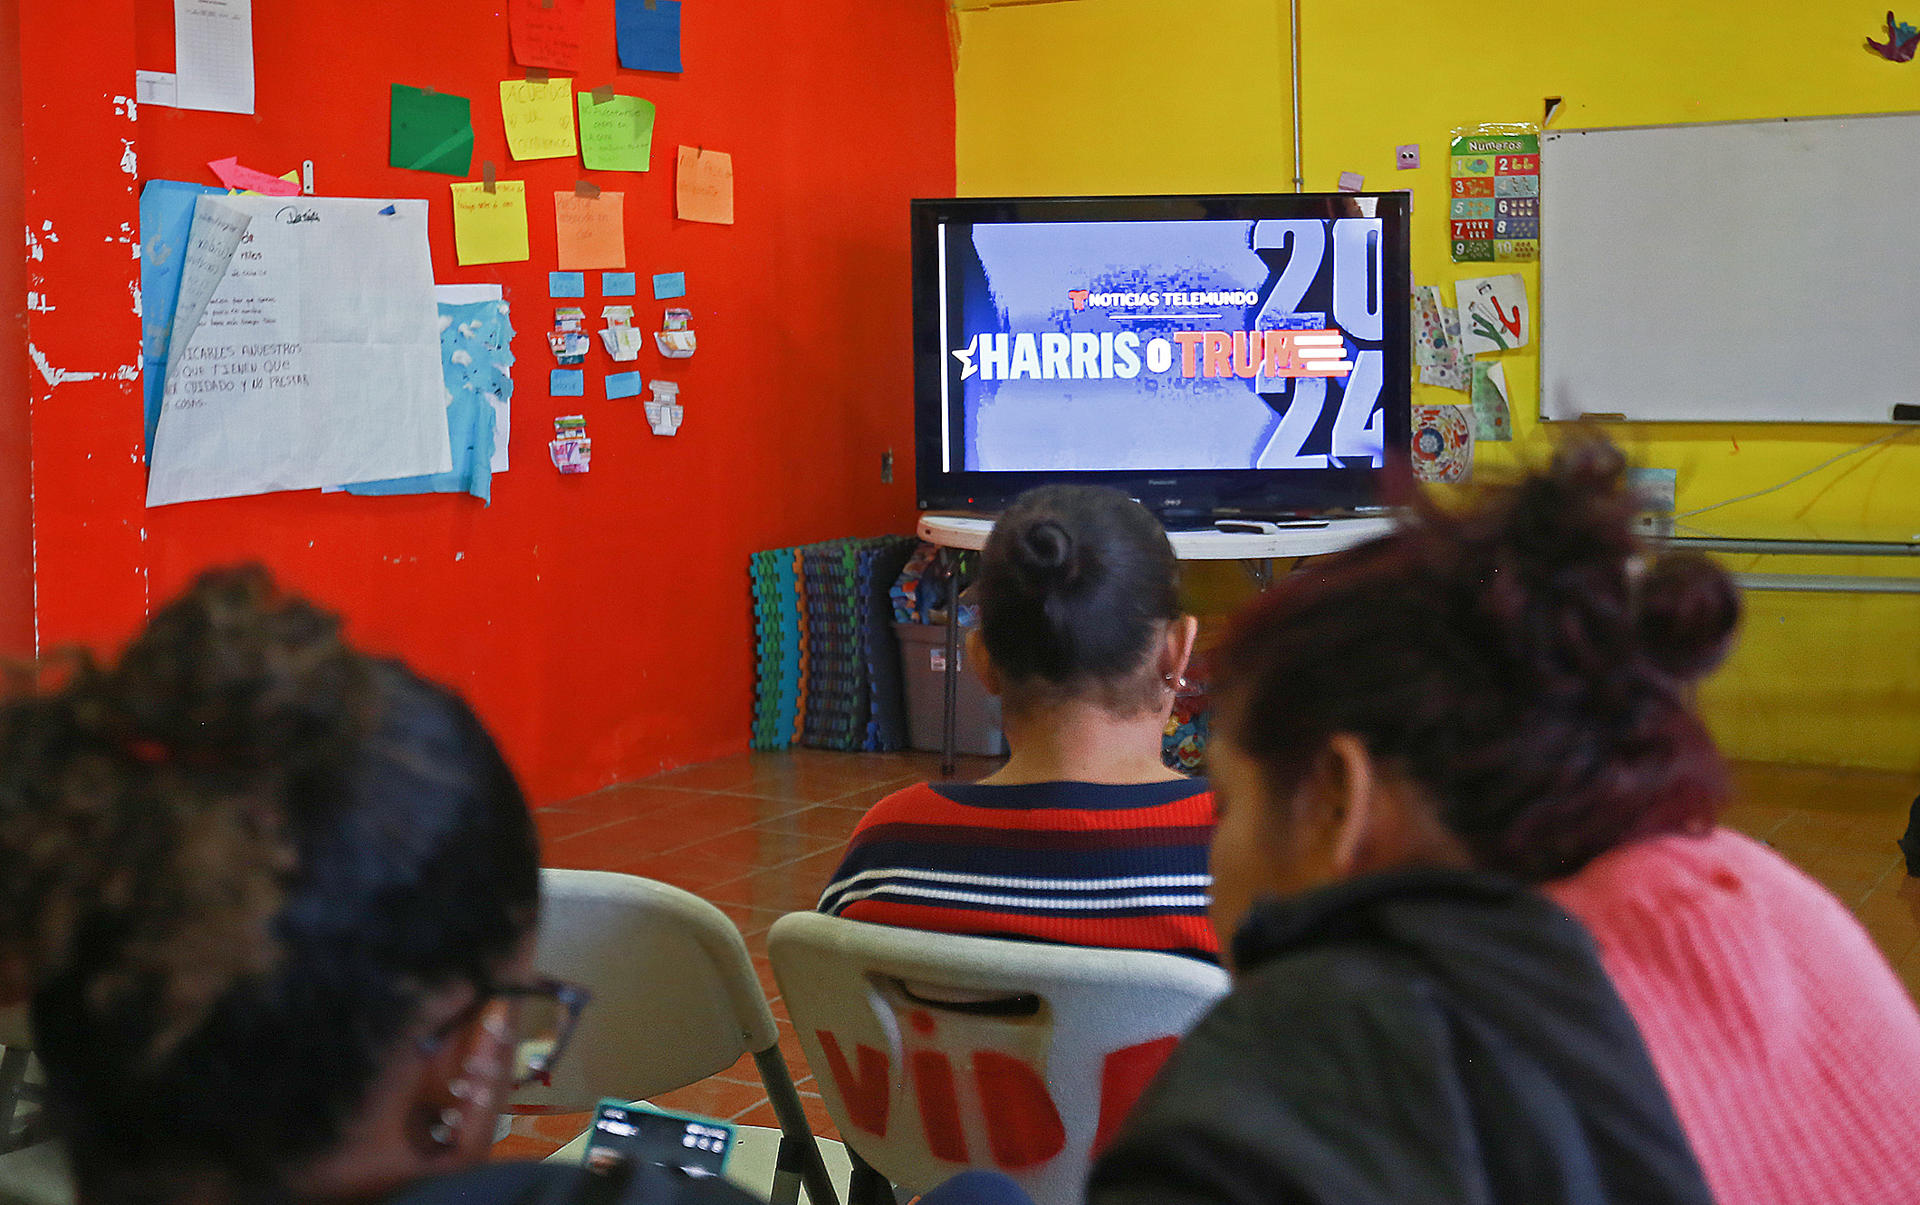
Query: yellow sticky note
<point x="490" y="227"/>
<point x="538" y="117"/>
<point x="589" y="230"/>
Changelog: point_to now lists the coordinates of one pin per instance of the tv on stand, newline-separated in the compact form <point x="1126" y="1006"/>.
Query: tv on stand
<point x="1213" y="356"/>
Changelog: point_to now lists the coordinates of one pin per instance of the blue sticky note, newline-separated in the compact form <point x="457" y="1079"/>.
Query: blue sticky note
<point x="566" y="284"/>
<point x="568" y="382"/>
<point x="166" y="216"/>
<point x="616" y="284"/>
<point x="623" y="384"/>
<point x="669" y="284"/>
<point x="648" y="32"/>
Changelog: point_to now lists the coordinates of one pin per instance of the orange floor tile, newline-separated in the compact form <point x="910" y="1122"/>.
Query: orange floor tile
<point x="759" y="834"/>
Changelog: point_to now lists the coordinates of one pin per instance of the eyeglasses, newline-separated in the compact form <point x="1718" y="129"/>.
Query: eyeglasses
<point x="548" y="1011"/>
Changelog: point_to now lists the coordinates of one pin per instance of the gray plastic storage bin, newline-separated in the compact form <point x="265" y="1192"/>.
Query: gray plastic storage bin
<point x="923" y="678"/>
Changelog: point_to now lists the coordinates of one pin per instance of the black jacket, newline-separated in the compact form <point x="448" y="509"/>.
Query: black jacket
<point x="1419" y="1037"/>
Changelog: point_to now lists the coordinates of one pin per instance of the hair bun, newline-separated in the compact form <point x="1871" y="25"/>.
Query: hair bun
<point x="1688" y="610"/>
<point x="1046" y="553"/>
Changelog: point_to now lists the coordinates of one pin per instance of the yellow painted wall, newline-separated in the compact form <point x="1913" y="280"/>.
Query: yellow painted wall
<point x="1115" y="96"/>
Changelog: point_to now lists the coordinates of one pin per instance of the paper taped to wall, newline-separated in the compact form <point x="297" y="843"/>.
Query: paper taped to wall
<point x="305" y="350"/>
<point x="213" y="55"/>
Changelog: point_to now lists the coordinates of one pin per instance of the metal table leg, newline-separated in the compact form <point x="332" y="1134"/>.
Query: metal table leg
<point x="950" y="717"/>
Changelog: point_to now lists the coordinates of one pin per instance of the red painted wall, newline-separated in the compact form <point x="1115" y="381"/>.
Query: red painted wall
<point x="16" y="479"/>
<point x="602" y="623"/>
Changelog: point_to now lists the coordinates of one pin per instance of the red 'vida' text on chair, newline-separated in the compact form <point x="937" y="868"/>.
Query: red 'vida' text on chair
<point x="936" y="1053"/>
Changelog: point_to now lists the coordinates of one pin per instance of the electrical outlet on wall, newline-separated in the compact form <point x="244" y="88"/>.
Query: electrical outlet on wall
<point x="1406" y="156"/>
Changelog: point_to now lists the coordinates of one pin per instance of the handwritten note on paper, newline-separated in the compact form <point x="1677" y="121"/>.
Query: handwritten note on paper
<point x="216" y="233"/>
<point x="616" y="135"/>
<point x="547" y="33"/>
<point x="590" y="230"/>
<point x="213" y="55"/>
<point x="166" y="219"/>
<point x="490" y="227"/>
<point x="704" y="186"/>
<point x="314" y="360"/>
<point x="648" y="34"/>
<point x="431" y="131"/>
<point x="538" y="117"/>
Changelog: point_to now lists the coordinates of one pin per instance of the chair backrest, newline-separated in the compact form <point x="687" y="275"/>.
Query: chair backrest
<point x="675" y="997"/>
<point x="936" y="1052"/>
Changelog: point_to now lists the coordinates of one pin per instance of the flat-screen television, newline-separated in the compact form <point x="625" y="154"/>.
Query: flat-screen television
<point x="1209" y="355"/>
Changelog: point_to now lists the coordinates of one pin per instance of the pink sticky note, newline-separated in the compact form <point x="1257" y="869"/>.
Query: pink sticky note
<point x="231" y="173"/>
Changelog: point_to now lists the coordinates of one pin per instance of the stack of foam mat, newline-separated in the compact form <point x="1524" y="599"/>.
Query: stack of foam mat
<point x="828" y="666"/>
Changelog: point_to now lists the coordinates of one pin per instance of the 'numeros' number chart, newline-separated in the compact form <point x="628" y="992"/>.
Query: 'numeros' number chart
<point x="1495" y="208"/>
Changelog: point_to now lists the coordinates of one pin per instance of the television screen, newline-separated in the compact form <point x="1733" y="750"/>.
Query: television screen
<point x="1208" y="354"/>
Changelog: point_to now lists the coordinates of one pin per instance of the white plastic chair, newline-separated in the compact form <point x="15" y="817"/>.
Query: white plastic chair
<point x="937" y="1053"/>
<point x="675" y="1000"/>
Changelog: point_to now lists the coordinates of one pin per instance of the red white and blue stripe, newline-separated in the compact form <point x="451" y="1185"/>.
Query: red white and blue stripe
<point x="1092" y="864"/>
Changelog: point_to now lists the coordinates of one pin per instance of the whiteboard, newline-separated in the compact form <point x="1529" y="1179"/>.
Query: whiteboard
<point x="1755" y="271"/>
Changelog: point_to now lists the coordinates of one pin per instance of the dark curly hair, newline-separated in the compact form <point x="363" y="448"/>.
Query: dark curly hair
<point x="1523" y="660"/>
<point x="231" y="866"/>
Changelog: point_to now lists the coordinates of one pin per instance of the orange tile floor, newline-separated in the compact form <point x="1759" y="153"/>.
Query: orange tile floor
<point x="758" y="834"/>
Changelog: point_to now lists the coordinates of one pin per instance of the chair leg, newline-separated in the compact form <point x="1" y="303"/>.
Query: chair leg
<point x="788" y="1172"/>
<point x="866" y="1186"/>
<point x="794" y="1130"/>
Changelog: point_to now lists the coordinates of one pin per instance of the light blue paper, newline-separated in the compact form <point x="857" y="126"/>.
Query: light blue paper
<point x="476" y="359"/>
<point x="567" y="382"/>
<point x="616" y="284"/>
<point x="566" y="284"/>
<point x="648" y="34"/>
<point x="623" y="384"/>
<point x="669" y="284"/>
<point x="166" y="217"/>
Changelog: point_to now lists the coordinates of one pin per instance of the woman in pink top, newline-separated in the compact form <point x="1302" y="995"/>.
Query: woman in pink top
<point x="1790" y="1050"/>
<point x="1511" y="683"/>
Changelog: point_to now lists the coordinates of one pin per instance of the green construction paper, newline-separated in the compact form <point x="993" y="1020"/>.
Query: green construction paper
<point x="616" y="136"/>
<point x="431" y="131"/>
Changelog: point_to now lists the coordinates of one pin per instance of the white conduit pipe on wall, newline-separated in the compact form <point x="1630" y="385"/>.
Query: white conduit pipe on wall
<point x="1293" y="36"/>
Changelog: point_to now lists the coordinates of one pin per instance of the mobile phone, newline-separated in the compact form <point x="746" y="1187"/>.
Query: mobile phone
<point x="626" y="1135"/>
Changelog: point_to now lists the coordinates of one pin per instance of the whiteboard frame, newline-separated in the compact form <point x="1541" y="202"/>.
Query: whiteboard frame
<point x="1543" y="332"/>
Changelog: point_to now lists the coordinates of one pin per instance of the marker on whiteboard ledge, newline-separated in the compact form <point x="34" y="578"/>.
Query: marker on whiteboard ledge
<point x="1602" y="416"/>
<point x="1906" y="412"/>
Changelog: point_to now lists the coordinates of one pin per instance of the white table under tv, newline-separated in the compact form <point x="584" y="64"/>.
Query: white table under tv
<point x="1273" y="541"/>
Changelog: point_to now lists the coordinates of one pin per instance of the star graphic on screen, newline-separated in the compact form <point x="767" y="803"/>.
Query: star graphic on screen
<point x="966" y="358"/>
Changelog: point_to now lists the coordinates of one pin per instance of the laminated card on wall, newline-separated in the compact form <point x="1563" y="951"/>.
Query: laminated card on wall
<point x="305" y="350"/>
<point x="1495" y="203"/>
